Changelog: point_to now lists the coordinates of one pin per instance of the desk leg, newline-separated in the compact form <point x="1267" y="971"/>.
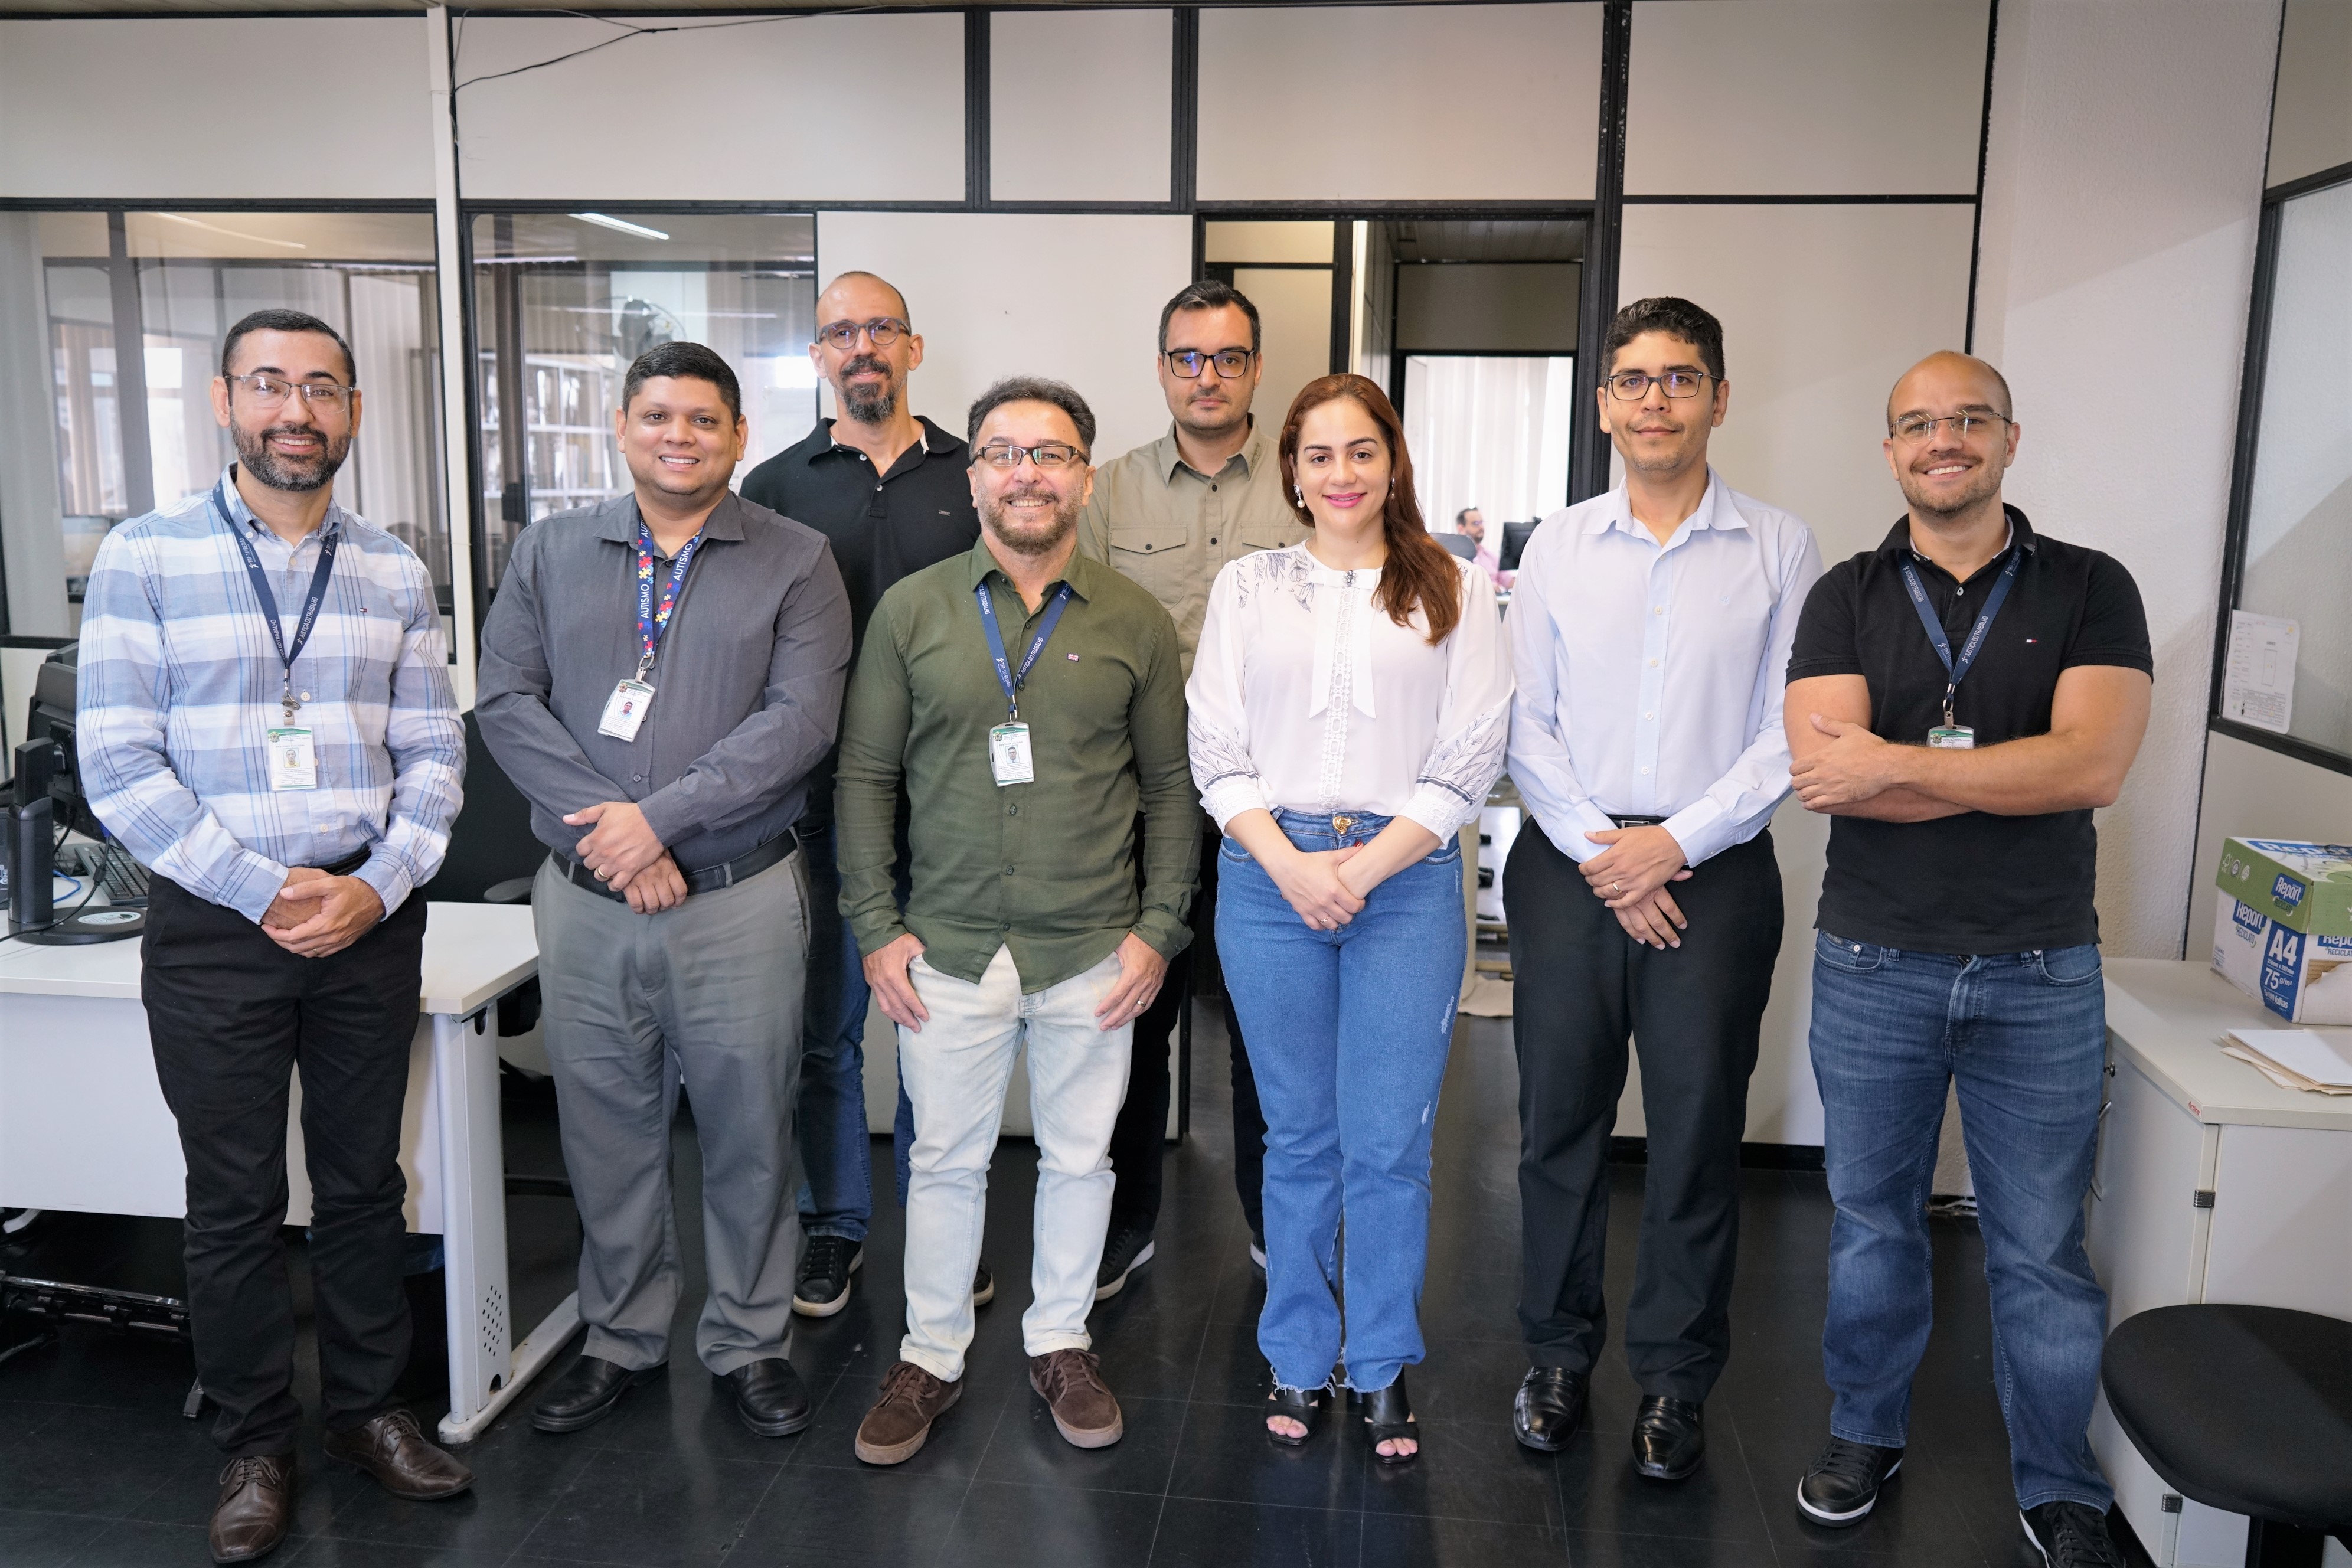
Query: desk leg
<point x="486" y="1367"/>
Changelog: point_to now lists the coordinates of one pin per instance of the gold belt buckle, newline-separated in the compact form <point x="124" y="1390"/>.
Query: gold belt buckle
<point x="1339" y="825"/>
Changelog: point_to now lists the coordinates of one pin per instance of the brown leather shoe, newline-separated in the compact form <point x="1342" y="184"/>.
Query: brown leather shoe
<point x="895" y="1430"/>
<point x="1084" y="1410"/>
<point x="392" y="1449"/>
<point x="255" y="1507"/>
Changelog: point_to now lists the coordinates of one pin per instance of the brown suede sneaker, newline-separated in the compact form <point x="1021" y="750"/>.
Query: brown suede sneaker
<point x="393" y="1449"/>
<point x="894" y="1431"/>
<point x="255" y="1507"/>
<point x="1072" y="1385"/>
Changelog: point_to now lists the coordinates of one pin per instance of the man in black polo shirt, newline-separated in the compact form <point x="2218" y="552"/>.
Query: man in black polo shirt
<point x="1960" y="699"/>
<point x="892" y="493"/>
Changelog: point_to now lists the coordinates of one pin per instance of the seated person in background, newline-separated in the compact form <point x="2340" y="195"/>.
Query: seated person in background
<point x="1471" y="523"/>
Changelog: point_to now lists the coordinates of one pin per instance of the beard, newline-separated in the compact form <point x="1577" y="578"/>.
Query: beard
<point x="868" y="404"/>
<point x="1024" y="536"/>
<point x="253" y="454"/>
<point x="1982" y="487"/>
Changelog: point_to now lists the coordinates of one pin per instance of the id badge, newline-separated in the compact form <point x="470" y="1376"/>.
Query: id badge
<point x="1952" y="738"/>
<point x="625" y="710"/>
<point x="1008" y="754"/>
<point x="293" y="761"/>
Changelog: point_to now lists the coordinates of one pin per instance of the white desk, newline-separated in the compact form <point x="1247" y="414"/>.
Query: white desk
<point x="83" y="1125"/>
<point x="2212" y="1184"/>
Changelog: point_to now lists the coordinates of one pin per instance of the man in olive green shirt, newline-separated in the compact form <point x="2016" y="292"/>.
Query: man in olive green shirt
<point x="1170" y="515"/>
<point x="1032" y="702"/>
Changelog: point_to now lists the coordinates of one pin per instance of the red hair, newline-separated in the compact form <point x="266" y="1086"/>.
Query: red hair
<point x="1419" y="573"/>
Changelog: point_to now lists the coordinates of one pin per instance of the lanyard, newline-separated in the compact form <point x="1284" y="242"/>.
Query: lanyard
<point x="1005" y="673"/>
<point x="311" y="603"/>
<point x="1956" y="671"/>
<point x="652" y="621"/>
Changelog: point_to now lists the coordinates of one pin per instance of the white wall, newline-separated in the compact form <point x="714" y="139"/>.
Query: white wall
<point x="1079" y="105"/>
<point x="998" y="294"/>
<point x="1400" y="103"/>
<point x="2119" y="240"/>
<point x="2311" y="122"/>
<point x="790" y="108"/>
<point x="2253" y="792"/>
<point x="159" y="107"/>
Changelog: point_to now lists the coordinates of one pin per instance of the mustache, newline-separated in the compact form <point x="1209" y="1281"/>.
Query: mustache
<point x="310" y="430"/>
<point x="858" y="364"/>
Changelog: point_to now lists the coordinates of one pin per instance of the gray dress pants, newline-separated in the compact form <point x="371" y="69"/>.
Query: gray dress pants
<point x="709" y="994"/>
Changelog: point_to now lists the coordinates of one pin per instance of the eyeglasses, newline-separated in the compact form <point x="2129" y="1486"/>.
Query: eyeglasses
<point x="1917" y="427"/>
<point x="272" y="391"/>
<point x="1046" y="454"/>
<point x="881" y="332"/>
<point x="1634" y="385"/>
<point x="1232" y="363"/>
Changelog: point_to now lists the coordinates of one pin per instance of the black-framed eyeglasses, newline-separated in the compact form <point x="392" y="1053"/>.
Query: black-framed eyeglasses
<point x="881" y="332"/>
<point x="1232" y="363"/>
<point x="1046" y="454"/>
<point x="272" y="391"/>
<point x="1633" y="386"/>
<point x="1917" y="427"/>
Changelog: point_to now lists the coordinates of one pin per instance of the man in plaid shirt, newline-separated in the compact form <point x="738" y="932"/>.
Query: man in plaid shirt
<point x="266" y="723"/>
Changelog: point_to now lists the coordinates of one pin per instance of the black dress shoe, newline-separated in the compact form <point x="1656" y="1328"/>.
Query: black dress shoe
<point x="586" y="1395"/>
<point x="1668" y="1438"/>
<point x="769" y="1397"/>
<point x="1548" y="1408"/>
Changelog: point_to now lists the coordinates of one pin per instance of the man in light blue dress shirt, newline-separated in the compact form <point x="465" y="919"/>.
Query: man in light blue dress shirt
<point x="1650" y="628"/>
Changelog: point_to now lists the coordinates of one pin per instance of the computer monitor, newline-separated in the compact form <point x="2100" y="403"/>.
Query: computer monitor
<point x="1515" y="543"/>
<point x="51" y="719"/>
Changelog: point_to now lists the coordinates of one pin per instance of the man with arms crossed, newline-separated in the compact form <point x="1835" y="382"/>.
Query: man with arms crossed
<point x="659" y="674"/>
<point x="1649" y="632"/>
<point x="1030" y="702"/>
<point x="290" y="785"/>
<point x="892" y="494"/>
<point x="1170" y="515"/>
<point x="1960" y="701"/>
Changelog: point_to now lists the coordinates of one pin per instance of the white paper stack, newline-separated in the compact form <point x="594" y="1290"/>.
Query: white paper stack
<point x="2296" y="1058"/>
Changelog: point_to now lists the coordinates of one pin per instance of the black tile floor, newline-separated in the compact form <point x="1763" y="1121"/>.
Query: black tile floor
<point x="97" y="1467"/>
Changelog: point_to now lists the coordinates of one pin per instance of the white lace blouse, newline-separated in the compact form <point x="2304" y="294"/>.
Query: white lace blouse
<point x="1306" y="696"/>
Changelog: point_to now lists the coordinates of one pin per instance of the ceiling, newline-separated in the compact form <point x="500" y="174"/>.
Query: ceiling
<point x="1489" y="239"/>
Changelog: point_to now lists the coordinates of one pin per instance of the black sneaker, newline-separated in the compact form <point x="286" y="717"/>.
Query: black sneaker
<point x="823" y="1287"/>
<point x="1841" y="1486"/>
<point x="983" y="1285"/>
<point x="2071" y="1535"/>
<point x="1127" y="1248"/>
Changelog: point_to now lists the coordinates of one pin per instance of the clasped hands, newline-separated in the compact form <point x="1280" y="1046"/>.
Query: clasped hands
<point x="1630" y="876"/>
<point x="888" y="972"/>
<point x="314" y="914"/>
<point x="620" y="849"/>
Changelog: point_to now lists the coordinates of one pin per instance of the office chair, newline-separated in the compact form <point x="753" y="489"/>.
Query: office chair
<point x="492" y="856"/>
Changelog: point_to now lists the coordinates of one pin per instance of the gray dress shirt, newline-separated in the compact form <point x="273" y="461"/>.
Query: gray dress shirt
<point x="747" y="684"/>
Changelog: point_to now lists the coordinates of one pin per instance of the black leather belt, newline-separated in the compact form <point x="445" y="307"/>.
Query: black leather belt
<point x="1637" y="821"/>
<point x="710" y="878"/>
<point x="347" y="864"/>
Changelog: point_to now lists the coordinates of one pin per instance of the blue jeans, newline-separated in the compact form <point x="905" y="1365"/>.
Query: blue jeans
<point x="2025" y="1037"/>
<point x="836" y="1195"/>
<point x="1348" y="1033"/>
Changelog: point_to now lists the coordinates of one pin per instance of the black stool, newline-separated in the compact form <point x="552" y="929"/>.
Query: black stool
<point x="2246" y="1409"/>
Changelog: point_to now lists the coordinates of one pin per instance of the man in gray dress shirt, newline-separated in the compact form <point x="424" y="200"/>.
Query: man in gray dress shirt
<point x="662" y="714"/>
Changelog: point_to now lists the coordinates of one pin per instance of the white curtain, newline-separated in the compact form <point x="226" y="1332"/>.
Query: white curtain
<point x="1490" y="433"/>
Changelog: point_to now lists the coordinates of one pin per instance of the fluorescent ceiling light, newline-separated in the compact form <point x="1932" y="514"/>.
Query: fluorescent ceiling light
<point x="234" y="233"/>
<point x="640" y="230"/>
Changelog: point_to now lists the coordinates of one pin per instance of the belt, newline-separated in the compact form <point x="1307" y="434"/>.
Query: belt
<point x="710" y="878"/>
<point x="1637" y="821"/>
<point x="347" y="864"/>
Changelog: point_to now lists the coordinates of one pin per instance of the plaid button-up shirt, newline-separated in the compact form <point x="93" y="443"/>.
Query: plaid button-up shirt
<point x="180" y="681"/>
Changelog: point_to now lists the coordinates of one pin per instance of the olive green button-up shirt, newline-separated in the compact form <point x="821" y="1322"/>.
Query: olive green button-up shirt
<point x="1046" y="869"/>
<point x="1172" y="529"/>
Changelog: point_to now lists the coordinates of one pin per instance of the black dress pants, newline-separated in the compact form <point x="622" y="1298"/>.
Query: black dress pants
<point x="232" y="1015"/>
<point x="1582" y="987"/>
<point x="1138" y="1141"/>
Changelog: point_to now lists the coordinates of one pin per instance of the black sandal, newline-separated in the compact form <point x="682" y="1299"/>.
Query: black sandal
<point x="1304" y="1406"/>
<point x="1387" y="1416"/>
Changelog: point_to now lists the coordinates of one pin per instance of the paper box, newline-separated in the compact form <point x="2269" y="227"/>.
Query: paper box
<point x="2282" y="927"/>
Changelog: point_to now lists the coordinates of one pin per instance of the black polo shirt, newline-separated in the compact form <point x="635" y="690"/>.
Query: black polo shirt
<point x="1975" y="882"/>
<point x="918" y="514"/>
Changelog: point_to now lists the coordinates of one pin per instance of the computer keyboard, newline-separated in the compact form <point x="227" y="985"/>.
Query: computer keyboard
<point x="122" y="880"/>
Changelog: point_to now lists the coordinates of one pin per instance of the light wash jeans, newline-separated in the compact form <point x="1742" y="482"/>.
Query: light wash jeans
<point x="955" y="1070"/>
<point x="2024" y="1035"/>
<point x="1348" y="1032"/>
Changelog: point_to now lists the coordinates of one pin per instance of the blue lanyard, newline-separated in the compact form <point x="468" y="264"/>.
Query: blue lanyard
<point x="1958" y="671"/>
<point x="311" y="603"/>
<point x="652" y="621"/>
<point x="1005" y="674"/>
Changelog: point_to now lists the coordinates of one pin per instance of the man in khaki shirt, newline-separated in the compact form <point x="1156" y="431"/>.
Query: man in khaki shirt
<point x="1170" y="515"/>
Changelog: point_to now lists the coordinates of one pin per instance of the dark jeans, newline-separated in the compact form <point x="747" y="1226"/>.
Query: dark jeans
<point x="232" y="1015"/>
<point x="836" y="1192"/>
<point x="1139" y="1142"/>
<point x="2023" y="1036"/>
<point x="1583" y="987"/>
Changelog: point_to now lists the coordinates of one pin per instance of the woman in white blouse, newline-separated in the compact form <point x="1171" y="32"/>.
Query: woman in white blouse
<point x="1349" y="706"/>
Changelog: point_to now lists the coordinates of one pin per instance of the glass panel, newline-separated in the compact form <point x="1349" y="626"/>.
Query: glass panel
<point x="562" y="302"/>
<point x="2298" y="561"/>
